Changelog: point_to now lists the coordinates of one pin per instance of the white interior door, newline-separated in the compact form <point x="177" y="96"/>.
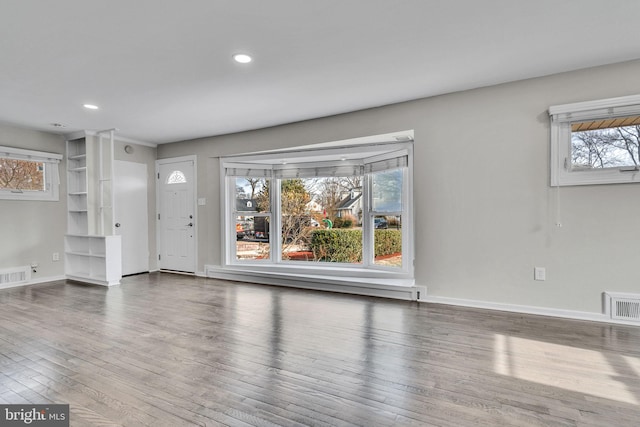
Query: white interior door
<point x="131" y="215"/>
<point x="176" y="220"/>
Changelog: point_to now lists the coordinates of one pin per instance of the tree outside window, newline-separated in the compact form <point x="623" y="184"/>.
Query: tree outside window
<point x="21" y="175"/>
<point x="608" y="147"/>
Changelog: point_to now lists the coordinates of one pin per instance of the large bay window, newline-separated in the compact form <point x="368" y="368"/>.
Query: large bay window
<point x="340" y="211"/>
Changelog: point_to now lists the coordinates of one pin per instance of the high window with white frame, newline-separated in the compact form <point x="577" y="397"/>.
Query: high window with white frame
<point x="28" y="174"/>
<point x="338" y="211"/>
<point x="596" y="142"/>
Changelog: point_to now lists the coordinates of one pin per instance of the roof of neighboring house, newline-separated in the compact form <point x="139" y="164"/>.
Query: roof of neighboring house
<point x="245" y="205"/>
<point x="314" y="206"/>
<point x="349" y="202"/>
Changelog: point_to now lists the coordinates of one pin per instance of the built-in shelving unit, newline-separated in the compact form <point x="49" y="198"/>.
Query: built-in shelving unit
<point x="91" y="256"/>
<point x="93" y="259"/>
<point x="77" y="185"/>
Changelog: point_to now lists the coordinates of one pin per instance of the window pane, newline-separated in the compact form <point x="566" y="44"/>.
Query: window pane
<point x="252" y="195"/>
<point x="21" y="175"/>
<point x="321" y="219"/>
<point x="387" y="236"/>
<point x="387" y="191"/>
<point x="607" y="143"/>
<point x="176" y="177"/>
<point x="296" y="219"/>
<point x="252" y="237"/>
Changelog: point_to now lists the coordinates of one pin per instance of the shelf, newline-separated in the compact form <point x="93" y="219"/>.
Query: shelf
<point x="77" y="189"/>
<point x="85" y="254"/>
<point x="88" y="258"/>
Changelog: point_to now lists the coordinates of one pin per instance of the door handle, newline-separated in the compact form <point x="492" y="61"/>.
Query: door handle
<point x="117" y="225"/>
<point x="190" y="224"/>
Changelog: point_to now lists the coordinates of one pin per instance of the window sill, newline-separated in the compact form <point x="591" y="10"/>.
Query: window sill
<point x="594" y="177"/>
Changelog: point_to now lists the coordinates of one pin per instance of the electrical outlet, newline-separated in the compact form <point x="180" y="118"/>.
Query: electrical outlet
<point x="55" y="256"/>
<point x="539" y="273"/>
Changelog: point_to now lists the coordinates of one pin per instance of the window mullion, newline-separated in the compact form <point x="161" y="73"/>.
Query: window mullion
<point x="276" y="217"/>
<point x="230" y="220"/>
<point x="406" y="220"/>
<point x="367" y="222"/>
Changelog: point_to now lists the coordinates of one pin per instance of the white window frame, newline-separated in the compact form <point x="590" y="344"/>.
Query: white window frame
<point x="370" y="214"/>
<point x="51" y="174"/>
<point x="562" y="116"/>
<point x="271" y="163"/>
<point x="231" y="234"/>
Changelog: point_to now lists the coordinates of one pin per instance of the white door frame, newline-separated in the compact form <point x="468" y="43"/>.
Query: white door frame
<point x="159" y="240"/>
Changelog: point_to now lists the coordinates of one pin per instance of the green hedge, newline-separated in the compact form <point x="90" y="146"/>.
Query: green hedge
<point x="346" y="245"/>
<point x="342" y="222"/>
<point x="388" y="242"/>
<point x="337" y="245"/>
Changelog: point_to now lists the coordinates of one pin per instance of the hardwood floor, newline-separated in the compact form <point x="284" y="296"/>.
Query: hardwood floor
<point x="172" y="350"/>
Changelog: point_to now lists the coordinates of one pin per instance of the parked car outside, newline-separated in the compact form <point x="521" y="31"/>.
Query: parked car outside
<point x="380" y="223"/>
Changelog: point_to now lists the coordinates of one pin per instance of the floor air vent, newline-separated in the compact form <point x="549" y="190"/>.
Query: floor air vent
<point x="623" y="306"/>
<point x="14" y="276"/>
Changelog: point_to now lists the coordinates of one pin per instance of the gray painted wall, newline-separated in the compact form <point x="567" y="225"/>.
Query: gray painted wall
<point x="31" y="231"/>
<point x="485" y="211"/>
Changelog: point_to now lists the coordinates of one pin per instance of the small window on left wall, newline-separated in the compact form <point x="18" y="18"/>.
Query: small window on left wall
<point x="28" y="175"/>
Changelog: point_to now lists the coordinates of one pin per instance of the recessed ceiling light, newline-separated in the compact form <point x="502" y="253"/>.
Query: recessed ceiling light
<point x="90" y="106"/>
<point x="242" y="58"/>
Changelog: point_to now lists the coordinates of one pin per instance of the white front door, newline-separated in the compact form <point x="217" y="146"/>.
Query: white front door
<point x="176" y="215"/>
<point x="131" y="215"/>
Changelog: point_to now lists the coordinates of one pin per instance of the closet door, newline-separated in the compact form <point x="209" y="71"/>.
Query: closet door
<point x="131" y="215"/>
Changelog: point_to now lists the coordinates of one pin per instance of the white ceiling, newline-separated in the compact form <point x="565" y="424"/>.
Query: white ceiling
<point x="161" y="70"/>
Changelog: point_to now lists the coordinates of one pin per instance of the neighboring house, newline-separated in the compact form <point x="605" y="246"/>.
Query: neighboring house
<point x="350" y="205"/>
<point x="246" y="205"/>
<point x="313" y="207"/>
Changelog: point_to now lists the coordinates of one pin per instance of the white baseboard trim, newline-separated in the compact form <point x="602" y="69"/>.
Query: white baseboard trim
<point x="34" y="281"/>
<point x="197" y="273"/>
<point x="319" y="283"/>
<point x="525" y="309"/>
<point x="92" y="281"/>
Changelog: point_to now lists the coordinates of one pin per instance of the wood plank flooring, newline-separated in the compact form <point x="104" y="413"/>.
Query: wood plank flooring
<point x="172" y="350"/>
